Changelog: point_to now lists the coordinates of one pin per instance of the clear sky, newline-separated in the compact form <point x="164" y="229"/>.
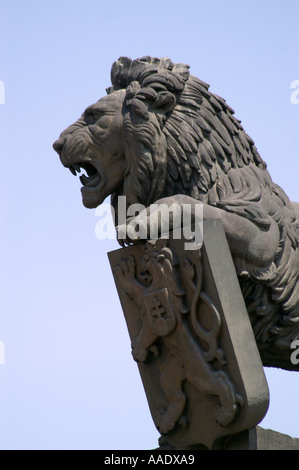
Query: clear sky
<point x="69" y="381"/>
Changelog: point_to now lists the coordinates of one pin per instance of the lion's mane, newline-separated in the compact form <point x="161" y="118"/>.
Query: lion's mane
<point x="182" y="139"/>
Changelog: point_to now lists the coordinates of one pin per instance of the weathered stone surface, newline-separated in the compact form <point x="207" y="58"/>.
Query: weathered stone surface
<point x="261" y="439"/>
<point x="200" y="321"/>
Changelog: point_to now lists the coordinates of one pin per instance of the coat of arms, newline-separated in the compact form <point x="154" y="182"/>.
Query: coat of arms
<point x="182" y="340"/>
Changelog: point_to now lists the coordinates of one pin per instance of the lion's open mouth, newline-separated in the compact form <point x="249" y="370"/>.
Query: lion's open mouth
<point x="91" y="180"/>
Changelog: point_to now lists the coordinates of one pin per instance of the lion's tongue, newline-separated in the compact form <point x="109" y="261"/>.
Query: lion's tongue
<point x="90" y="181"/>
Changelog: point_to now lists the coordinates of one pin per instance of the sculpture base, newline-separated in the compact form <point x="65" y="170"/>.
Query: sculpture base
<point x="262" y="439"/>
<point x="255" y="438"/>
<point x="192" y="338"/>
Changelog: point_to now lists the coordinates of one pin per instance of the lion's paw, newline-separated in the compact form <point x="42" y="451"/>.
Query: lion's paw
<point x="124" y="272"/>
<point x="225" y="415"/>
<point x="139" y="354"/>
<point x="125" y="235"/>
<point x="163" y="421"/>
<point x="134" y="230"/>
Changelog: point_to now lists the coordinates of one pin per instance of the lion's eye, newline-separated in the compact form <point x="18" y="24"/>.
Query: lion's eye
<point x="91" y="114"/>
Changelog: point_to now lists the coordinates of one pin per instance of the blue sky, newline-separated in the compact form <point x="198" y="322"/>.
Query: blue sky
<point x="69" y="381"/>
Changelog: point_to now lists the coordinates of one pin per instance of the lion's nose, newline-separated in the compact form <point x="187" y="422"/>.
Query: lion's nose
<point x="58" y="146"/>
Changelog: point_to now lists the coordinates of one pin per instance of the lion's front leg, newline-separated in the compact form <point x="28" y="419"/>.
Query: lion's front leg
<point x="135" y="229"/>
<point x="155" y="221"/>
<point x="246" y="240"/>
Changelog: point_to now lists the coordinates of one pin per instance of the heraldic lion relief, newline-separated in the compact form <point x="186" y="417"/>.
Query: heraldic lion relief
<point x="161" y="135"/>
<point x="165" y="309"/>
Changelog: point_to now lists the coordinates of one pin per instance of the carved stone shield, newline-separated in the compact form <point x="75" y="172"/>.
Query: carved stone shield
<point x="192" y="338"/>
<point x="160" y="314"/>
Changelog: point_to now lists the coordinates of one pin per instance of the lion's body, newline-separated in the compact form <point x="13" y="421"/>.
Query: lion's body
<point x="176" y="137"/>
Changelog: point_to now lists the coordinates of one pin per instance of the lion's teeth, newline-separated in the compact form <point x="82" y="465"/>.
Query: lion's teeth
<point x="77" y="167"/>
<point x="73" y="171"/>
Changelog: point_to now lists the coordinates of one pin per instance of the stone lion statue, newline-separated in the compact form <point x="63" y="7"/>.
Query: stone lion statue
<point x="161" y="135"/>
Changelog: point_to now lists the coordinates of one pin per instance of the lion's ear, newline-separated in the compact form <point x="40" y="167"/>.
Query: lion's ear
<point x="119" y="72"/>
<point x="165" y="101"/>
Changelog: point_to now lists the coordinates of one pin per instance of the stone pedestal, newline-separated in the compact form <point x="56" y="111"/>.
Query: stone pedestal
<point x="258" y="438"/>
<point x="192" y="339"/>
<point x="255" y="438"/>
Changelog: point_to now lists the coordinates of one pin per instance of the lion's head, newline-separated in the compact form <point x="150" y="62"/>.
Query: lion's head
<point x="94" y="143"/>
<point x="119" y="140"/>
<point x="160" y="132"/>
